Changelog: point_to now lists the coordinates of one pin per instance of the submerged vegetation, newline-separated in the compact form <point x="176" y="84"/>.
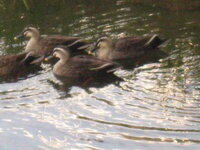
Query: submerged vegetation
<point x="26" y="4"/>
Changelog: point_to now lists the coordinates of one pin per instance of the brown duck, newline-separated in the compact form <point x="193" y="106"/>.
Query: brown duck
<point x="128" y="49"/>
<point x="16" y="65"/>
<point x="81" y="67"/>
<point x="44" y="45"/>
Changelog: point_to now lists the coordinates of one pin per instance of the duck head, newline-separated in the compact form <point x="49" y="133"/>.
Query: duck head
<point x="104" y="42"/>
<point x="60" y="52"/>
<point x="30" y="32"/>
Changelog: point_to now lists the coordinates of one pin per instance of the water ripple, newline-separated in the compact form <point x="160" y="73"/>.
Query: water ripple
<point x="156" y="106"/>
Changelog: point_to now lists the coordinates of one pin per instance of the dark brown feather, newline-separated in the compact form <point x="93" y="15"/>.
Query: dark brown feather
<point x="130" y="43"/>
<point x="83" y="67"/>
<point x="48" y="43"/>
<point x="130" y="49"/>
<point x="14" y="64"/>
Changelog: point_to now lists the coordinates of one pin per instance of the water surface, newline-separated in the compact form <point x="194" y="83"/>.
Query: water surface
<point x="155" y="107"/>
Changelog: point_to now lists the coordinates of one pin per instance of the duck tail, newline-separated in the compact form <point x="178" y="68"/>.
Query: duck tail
<point x="155" y="42"/>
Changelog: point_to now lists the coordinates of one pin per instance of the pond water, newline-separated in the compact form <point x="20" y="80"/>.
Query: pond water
<point x="155" y="107"/>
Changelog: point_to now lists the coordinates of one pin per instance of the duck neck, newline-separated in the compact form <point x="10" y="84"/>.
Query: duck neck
<point x="104" y="52"/>
<point x="33" y="43"/>
<point x="61" y="62"/>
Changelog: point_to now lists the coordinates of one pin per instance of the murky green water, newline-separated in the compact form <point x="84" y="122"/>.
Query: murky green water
<point x="156" y="107"/>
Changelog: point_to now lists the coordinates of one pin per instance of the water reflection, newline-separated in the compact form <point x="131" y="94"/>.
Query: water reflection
<point x="156" y="106"/>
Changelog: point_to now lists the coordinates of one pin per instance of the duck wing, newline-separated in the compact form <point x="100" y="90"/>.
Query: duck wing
<point x="84" y="66"/>
<point x="15" y="61"/>
<point x="138" y="42"/>
<point x="92" y="63"/>
<point x="11" y="63"/>
<point x="6" y="60"/>
<point x="49" y="42"/>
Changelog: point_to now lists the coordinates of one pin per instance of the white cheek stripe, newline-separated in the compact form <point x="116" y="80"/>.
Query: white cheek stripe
<point x="58" y="52"/>
<point x="59" y="49"/>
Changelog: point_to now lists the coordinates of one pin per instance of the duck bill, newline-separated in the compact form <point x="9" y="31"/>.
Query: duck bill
<point x="38" y="60"/>
<point x="20" y="36"/>
<point x="48" y="58"/>
<point x="93" y="50"/>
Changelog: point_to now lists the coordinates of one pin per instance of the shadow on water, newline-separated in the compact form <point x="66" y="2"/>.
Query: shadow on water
<point x="65" y="86"/>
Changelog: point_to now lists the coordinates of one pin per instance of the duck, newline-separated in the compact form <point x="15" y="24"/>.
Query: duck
<point x="81" y="68"/>
<point x="44" y="45"/>
<point x="17" y="65"/>
<point x="128" y="49"/>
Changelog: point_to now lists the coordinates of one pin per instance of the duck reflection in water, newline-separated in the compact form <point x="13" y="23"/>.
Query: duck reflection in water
<point x="83" y="70"/>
